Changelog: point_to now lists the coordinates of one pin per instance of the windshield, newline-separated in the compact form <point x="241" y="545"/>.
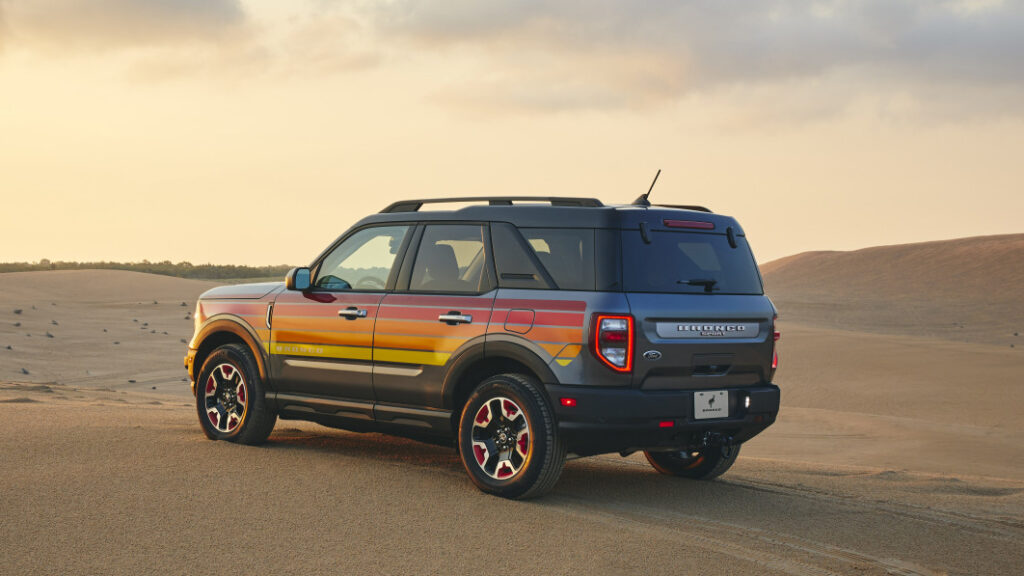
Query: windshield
<point x="688" y="262"/>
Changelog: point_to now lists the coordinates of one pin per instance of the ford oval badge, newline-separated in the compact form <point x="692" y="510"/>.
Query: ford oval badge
<point x="652" y="355"/>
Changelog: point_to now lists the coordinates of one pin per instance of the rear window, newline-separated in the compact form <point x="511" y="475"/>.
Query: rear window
<point x="688" y="262"/>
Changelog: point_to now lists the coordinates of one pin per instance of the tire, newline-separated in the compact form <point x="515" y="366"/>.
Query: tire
<point x="699" y="465"/>
<point x="508" y="438"/>
<point x="230" y="397"/>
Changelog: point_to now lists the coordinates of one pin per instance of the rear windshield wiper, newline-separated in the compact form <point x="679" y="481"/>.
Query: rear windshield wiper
<point x="707" y="283"/>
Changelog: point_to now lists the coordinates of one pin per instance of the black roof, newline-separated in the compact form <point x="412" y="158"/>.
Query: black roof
<point x="549" y="212"/>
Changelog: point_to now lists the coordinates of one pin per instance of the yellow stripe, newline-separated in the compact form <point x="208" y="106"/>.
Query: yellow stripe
<point x="410" y="357"/>
<point x="322" y="351"/>
<point x="565" y="361"/>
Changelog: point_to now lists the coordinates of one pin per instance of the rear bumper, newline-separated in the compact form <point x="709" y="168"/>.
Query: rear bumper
<point x="620" y="419"/>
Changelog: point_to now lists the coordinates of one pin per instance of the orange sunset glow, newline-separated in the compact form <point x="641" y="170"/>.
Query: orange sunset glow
<point x="256" y="132"/>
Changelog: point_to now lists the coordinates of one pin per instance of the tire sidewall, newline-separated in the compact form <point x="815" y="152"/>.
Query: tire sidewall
<point x="228" y="354"/>
<point x="541" y="438"/>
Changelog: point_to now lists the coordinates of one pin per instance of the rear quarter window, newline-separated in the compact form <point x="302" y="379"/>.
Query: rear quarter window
<point x="566" y="253"/>
<point x="688" y="262"/>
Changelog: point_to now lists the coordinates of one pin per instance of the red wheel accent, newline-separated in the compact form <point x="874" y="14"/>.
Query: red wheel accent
<point x="484" y="415"/>
<point x="241" y="394"/>
<point x="510" y="409"/>
<point x="504" y="470"/>
<point x="214" y="418"/>
<point x="211" y="385"/>
<point x="480" y="454"/>
<point x="227" y="371"/>
<point x="523" y="443"/>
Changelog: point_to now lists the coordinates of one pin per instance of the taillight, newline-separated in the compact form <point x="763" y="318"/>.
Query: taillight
<point x="775" y="338"/>
<point x="613" y="341"/>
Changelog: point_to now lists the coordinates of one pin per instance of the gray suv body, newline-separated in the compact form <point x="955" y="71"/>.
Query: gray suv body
<point x="524" y="333"/>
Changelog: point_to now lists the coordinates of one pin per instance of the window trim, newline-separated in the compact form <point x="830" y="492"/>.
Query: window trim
<point x="314" y="267"/>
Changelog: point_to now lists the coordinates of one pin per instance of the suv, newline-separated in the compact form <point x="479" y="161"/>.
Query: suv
<point x="522" y="330"/>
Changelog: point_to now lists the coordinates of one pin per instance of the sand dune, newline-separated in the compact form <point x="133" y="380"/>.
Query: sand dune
<point x="893" y="454"/>
<point x="966" y="290"/>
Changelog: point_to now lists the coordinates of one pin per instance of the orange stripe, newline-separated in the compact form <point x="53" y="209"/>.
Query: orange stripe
<point x="428" y="343"/>
<point x="360" y="326"/>
<point x="547" y="334"/>
<point x="464" y="331"/>
<point x="329" y="338"/>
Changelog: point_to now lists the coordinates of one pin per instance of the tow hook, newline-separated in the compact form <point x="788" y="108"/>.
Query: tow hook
<point x="713" y="439"/>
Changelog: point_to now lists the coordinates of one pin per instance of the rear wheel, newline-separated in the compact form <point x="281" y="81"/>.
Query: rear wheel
<point x="229" y="397"/>
<point x="508" y="438"/>
<point x="702" y="464"/>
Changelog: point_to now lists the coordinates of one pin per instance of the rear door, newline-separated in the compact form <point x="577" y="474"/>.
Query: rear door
<point x="321" y="339"/>
<point x="702" y="320"/>
<point x="441" y="307"/>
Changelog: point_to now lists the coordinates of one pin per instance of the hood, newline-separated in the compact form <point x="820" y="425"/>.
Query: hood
<point x="241" y="291"/>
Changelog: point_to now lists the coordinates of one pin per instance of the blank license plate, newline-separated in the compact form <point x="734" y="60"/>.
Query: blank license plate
<point x="710" y="404"/>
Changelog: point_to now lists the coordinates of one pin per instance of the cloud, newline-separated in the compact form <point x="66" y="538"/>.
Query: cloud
<point x="108" y="24"/>
<point x="604" y="53"/>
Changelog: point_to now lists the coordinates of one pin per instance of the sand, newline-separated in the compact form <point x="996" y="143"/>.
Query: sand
<point x="894" y="454"/>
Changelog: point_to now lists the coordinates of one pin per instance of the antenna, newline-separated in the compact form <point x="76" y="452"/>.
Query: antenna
<point x="642" y="200"/>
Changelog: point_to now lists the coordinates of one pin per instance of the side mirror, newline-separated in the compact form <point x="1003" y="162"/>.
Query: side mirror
<point x="297" y="279"/>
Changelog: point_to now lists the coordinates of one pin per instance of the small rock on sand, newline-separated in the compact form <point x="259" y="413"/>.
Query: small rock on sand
<point x="131" y="381"/>
<point x="154" y="387"/>
<point x="183" y="341"/>
<point x="23" y="371"/>
<point x="104" y="329"/>
<point x="116" y="343"/>
<point x="17" y="324"/>
<point x="184" y="304"/>
<point x="135" y="319"/>
<point x="9" y="347"/>
<point x="54" y="322"/>
<point x="19" y="310"/>
<point x="155" y="302"/>
<point x="48" y="335"/>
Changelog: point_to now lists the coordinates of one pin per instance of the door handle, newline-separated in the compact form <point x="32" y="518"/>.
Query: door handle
<point x="351" y="313"/>
<point x="455" y="317"/>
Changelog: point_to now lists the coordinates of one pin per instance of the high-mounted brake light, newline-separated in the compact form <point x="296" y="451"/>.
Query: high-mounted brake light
<point x="697" y="224"/>
<point x="613" y="341"/>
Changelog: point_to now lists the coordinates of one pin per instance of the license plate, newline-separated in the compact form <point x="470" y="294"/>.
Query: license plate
<point x="710" y="404"/>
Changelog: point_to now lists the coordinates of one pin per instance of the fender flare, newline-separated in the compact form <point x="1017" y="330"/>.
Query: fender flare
<point x="469" y="357"/>
<point x="234" y="325"/>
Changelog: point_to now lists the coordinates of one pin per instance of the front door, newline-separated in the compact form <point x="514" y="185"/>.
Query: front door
<point x="443" y="309"/>
<point x="321" y="339"/>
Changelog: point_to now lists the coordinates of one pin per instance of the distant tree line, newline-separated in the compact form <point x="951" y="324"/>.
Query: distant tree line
<point x="166" y="268"/>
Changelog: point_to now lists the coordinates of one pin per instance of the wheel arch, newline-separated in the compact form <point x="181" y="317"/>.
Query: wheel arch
<point x="227" y="329"/>
<point x="483" y="361"/>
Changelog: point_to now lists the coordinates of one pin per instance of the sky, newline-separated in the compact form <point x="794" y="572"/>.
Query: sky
<point x="256" y="132"/>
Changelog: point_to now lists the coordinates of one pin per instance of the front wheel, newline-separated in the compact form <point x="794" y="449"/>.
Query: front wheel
<point x="508" y="438"/>
<point x="229" y="397"/>
<point x="702" y="464"/>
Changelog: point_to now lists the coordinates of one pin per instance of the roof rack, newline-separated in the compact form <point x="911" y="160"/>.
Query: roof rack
<point x="415" y="205"/>
<point x="681" y="207"/>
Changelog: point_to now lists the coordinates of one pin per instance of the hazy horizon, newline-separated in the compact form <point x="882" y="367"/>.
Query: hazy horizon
<point x="254" y="132"/>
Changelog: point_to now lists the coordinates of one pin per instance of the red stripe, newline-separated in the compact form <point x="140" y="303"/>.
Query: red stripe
<point x="452" y="302"/>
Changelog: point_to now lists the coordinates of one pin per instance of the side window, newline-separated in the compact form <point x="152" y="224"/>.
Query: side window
<point x="363" y="261"/>
<point x="566" y="253"/>
<point x="451" y="258"/>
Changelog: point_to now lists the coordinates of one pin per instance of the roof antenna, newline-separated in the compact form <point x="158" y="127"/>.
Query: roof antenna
<point x="642" y="200"/>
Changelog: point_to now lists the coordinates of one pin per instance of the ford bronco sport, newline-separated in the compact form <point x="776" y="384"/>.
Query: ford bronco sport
<point x="521" y="330"/>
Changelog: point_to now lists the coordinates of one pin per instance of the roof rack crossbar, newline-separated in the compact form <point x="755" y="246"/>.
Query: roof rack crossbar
<point x="682" y="207"/>
<point x="415" y="205"/>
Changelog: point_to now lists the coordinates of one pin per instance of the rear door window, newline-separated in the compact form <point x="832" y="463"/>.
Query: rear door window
<point x="688" y="262"/>
<point x="451" y="258"/>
